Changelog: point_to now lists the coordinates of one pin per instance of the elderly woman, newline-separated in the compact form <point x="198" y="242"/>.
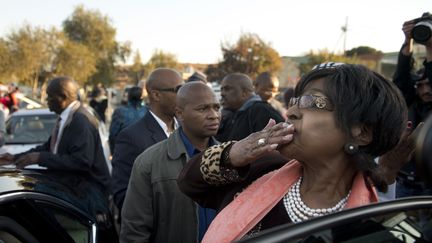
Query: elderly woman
<point x="342" y="117"/>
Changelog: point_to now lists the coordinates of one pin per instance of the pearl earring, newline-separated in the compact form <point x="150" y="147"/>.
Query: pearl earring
<point x="351" y="148"/>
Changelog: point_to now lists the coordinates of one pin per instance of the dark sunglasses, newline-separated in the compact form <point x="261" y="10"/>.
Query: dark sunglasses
<point x="311" y="101"/>
<point x="174" y="90"/>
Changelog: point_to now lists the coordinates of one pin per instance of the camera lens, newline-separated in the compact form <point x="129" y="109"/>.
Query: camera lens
<point x="422" y="31"/>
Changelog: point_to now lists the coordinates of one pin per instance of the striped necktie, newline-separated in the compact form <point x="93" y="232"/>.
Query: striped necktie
<point x="54" y="135"/>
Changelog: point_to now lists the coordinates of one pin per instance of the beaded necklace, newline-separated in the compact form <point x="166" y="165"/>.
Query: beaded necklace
<point x="298" y="211"/>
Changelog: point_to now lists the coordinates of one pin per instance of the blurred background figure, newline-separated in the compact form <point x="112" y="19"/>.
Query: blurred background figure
<point x="244" y="112"/>
<point x="10" y="100"/>
<point x="267" y="87"/>
<point x="287" y="95"/>
<point x="197" y="76"/>
<point x="99" y="101"/>
<point x="2" y="125"/>
<point x="415" y="86"/>
<point x="127" y="114"/>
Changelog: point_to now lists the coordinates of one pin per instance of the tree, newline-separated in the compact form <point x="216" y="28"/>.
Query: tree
<point x="161" y="59"/>
<point x="5" y="61"/>
<point x="30" y="51"/>
<point x="250" y="55"/>
<point x="94" y="30"/>
<point x="362" y="51"/>
<point x="75" y="60"/>
<point x="326" y="56"/>
<point x="137" y="68"/>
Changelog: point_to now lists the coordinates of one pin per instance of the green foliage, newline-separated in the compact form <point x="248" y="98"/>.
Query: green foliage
<point x="5" y="61"/>
<point x="137" y="68"/>
<point x="91" y="29"/>
<point x="362" y="50"/>
<point x="326" y="56"/>
<point x="94" y="30"/>
<point x="75" y="60"/>
<point x="161" y="59"/>
<point x="30" y="52"/>
<point x="250" y="55"/>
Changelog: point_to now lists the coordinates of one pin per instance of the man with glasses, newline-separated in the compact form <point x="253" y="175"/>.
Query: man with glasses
<point x="156" y="125"/>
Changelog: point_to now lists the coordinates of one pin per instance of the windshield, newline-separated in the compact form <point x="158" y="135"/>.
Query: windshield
<point x="29" y="129"/>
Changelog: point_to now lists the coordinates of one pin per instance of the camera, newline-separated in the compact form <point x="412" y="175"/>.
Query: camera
<point x="422" y="30"/>
<point x="423" y="152"/>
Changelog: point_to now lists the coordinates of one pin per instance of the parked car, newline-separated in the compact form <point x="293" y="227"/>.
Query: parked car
<point x="25" y="129"/>
<point x="403" y="220"/>
<point x="27" y="102"/>
<point x="52" y="206"/>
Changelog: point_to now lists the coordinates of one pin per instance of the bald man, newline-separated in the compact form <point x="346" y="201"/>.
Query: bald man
<point x="156" y="125"/>
<point x="244" y="111"/>
<point x="154" y="209"/>
<point x="267" y="87"/>
<point x="75" y="144"/>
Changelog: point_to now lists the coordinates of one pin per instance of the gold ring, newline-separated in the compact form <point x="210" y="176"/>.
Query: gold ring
<point x="261" y="142"/>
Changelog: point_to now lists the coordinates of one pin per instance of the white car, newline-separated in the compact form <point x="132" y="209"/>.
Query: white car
<point x="27" y="102"/>
<point x="25" y="129"/>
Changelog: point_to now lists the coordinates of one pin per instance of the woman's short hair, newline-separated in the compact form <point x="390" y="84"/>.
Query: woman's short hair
<point x="135" y="94"/>
<point x="364" y="98"/>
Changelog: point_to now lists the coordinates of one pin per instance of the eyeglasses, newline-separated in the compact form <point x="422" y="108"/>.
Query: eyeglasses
<point x="311" y="101"/>
<point x="174" y="90"/>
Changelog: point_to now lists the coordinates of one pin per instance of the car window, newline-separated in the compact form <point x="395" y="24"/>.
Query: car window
<point x="402" y="220"/>
<point x="409" y="226"/>
<point x="29" y="129"/>
<point x="6" y="237"/>
<point x="38" y="220"/>
<point x="78" y="231"/>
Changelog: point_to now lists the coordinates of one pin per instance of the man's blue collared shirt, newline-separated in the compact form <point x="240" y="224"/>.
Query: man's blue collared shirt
<point x="205" y="215"/>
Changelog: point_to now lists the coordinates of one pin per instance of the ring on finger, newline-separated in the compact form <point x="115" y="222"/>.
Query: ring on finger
<point x="261" y="142"/>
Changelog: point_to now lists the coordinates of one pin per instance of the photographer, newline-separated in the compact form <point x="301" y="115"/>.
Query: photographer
<point x="416" y="89"/>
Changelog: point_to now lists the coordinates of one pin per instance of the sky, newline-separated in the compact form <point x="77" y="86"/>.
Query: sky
<point x="194" y="30"/>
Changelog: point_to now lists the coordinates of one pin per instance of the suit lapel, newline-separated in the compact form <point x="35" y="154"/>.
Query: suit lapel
<point x="75" y="107"/>
<point x="156" y="131"/>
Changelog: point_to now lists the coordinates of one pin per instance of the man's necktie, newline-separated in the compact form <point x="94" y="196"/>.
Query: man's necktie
<point x="54" y="134"/>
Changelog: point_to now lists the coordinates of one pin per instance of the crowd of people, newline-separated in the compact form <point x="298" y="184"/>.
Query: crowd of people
<point x="187" y="167"/>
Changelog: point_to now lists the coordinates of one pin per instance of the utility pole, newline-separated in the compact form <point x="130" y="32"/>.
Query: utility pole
<point x="345" y="33"/>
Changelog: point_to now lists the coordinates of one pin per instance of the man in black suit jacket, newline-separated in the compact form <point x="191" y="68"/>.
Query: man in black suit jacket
<point x="76" y="146"/>
<point x="155" y="126"/>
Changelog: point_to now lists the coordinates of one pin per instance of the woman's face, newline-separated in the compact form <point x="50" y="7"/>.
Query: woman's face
<point x="316" y="133"/>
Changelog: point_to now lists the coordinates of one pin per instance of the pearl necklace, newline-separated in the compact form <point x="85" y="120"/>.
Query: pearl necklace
<point x="297" y="209"/>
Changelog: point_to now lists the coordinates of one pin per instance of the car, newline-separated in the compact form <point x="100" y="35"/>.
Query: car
<point x="216" y="87"/>
<point x="27" y="102"/>
<point x="52" y="206"/>
<point x="402" y="220"/>
<point x="25" y="129"/>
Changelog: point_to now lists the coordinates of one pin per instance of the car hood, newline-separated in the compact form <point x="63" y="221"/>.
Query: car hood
<point x="79" y="190"/>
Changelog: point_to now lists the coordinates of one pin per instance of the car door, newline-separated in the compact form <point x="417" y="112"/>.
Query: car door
<point x="37" y="217"/>
<point x="402" y="220"/>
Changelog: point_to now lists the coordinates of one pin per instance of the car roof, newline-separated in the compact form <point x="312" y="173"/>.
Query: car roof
<point x="32" y="112"/>
<point x="59" y="184"/>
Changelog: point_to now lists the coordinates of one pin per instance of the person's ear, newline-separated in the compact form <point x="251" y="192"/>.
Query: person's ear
<point x="362" y="135"/>
<point x="178" y="113"/>
<point x="154" y="94"/>
<point x="245" y="94"/>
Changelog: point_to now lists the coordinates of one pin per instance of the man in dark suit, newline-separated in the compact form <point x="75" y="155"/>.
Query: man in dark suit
<point x="244" y="112"/>
<point x="75" y="144"/>
<point x="156" y="125"/>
